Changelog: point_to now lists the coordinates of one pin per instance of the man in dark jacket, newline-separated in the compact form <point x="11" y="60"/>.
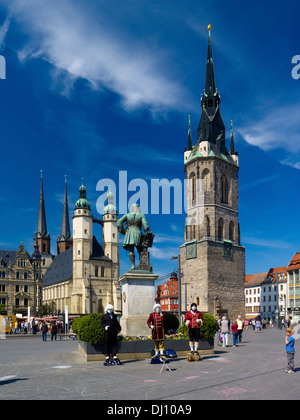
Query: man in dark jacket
<point x="111" y="325"/>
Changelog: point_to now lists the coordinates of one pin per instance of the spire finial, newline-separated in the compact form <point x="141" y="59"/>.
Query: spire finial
<point x="41" y="171"/>
<point x="209" y="27"/>
<point x="65" y="179"/>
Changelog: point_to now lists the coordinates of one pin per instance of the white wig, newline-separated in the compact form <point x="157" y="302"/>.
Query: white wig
<point x="109" y="306"/>
<point x="157" y="305"/>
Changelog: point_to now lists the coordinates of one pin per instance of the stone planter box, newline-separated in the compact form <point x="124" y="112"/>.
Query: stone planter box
<point x="138" y="350"/>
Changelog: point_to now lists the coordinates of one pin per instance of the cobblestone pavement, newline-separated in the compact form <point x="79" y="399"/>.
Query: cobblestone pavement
<point x="32" y="369"/>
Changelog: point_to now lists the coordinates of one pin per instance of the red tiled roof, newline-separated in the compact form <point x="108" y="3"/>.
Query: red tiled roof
<point x="295" y="262"/>
<point x="272" y="273"/>
<point x="255" y="279"/>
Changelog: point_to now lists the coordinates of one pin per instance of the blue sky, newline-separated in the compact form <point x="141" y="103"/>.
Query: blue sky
<point x="95" y="87"/>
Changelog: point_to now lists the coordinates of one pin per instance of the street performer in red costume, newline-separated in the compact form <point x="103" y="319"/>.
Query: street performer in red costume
<point x="157" y="323"/>
<point x="193" y="320"/>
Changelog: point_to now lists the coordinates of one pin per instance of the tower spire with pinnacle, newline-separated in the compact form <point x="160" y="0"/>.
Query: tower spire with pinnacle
<point x="189" y="143"/>
<point x="41" y="234"/>
<point x="232" y="146"/>
<point x="210" y="82"/>
<point x="64" y="241"/>
<point x="42" y="225"/>
<point x="211" y="127"/>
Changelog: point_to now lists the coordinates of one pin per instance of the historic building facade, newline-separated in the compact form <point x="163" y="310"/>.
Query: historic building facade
<point x="84" y="275"/>
<point x="212" y="257"/>
<point x="167" y="294"/>
<point x="20" y="281"/>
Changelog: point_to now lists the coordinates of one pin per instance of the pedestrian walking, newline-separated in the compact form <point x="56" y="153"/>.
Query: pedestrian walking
<point x="33" y="324"/>
<point x="240" y="328"/>
<point x="224" y="329"/>
<point x="44" y="331"/>
<point x="235" y="333"/>
<point x="53" y="331"/>
<point x="257" y="325"/>
<point x="290" y="350"/>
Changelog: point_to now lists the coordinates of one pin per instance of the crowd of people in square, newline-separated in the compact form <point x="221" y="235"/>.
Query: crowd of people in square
<point x="37" y="326"/>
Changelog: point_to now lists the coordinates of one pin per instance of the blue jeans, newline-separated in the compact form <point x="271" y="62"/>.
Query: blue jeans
<point x="44" y="335"/>
<point x="235" y="338"/>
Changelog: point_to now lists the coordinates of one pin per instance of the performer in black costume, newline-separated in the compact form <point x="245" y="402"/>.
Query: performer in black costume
<point x="111" y="325"/>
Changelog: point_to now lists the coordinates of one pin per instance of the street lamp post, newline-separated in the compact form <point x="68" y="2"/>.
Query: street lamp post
<point x="185" y="294"/>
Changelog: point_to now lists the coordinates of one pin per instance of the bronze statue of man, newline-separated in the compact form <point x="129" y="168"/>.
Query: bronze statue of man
<point x="135" y="222"/>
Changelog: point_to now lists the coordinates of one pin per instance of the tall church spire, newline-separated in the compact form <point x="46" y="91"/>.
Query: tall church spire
<point x="64" y="241"/>
<point x="42" y="225"/>
<point x="232" y="147"/>
<point x="41" y="234"/>
<point x="189" y="143"/>
<point x="211" y="127"/>
<point x="210" y="82"/>
<point x="65" y="225"/>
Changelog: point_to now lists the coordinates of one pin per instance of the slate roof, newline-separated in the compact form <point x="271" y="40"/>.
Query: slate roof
<point x="60" y="270"/>
<point x="6" y="256"/>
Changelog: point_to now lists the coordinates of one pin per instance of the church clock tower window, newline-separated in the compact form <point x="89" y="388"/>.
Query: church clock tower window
<point x="224" y="189"/>
<point x="192" y="185"/>
<point x="220" y="229"/>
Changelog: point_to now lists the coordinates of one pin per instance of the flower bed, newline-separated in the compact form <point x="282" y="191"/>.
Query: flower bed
<point x="137" y="349"/>
<point x="91" y="340"/>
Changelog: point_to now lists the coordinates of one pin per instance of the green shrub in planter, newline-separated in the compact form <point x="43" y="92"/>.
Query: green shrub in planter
<point x="207" y="330"/>
<point x="89" y="329"/>
<point x="76" y="325"/>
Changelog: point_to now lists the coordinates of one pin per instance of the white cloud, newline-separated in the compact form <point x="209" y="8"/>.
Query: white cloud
<point x="278" y="129"/>
<point x="71" y="38"/>
<point x="163" y="253"/>
<point x="3" y="31"/>
<point x="268" y="243"/>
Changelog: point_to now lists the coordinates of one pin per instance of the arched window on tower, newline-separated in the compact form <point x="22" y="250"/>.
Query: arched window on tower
<point x="220" y="229"/>
<point x="96" y="271"/>
<point x="224" y="189"/>
<point x="192" y="187"/>
<point x="206" y="180"/>
<point x="231" y="231"/>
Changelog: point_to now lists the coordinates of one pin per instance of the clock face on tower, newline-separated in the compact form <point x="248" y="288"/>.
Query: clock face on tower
<point x="191" y="250"/>
<point x="227" y="249"/>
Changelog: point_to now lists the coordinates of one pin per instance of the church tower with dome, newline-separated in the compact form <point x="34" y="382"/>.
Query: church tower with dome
<point x="110" y="233"/>
<point x="85" y="275"/>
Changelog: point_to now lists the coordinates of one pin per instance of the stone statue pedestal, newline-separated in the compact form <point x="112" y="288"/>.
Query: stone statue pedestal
<point x="138" y="294"/>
